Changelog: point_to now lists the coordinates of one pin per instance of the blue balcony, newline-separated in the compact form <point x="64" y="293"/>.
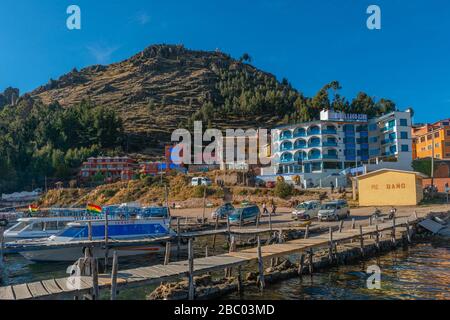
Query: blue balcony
<point x="314" y="145"/>
<point x="330" y="156"/>
<point x="313" y="131"/>
<point x="329" y="131"/>
<point x="298" y="133"/>
<point x="330" y="144"/>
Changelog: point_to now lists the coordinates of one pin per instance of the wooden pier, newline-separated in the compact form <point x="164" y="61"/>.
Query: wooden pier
<point x="63" y="288"/>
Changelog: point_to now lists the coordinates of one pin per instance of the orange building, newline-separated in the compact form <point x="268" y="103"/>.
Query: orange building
<point x="424" y="137"/>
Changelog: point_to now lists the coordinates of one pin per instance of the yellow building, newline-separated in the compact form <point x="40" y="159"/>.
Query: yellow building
<point x="388" y="187"/>
<point x="424" y="137"/>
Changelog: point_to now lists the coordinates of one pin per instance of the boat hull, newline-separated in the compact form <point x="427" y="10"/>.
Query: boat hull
<point x="72" y="254"/>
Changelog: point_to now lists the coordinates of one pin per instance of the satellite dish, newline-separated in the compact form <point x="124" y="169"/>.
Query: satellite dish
<point x="410" y="110"/>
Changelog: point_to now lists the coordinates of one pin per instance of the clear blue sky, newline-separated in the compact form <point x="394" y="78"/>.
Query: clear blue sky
<point x="308" y="42"/>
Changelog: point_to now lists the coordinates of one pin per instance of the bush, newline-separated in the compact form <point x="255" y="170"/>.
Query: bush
<point x="283" y="190"/>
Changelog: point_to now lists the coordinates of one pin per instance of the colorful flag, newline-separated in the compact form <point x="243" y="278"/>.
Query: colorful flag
<point x="93" y="208"/>
<point x="33" y="208"/>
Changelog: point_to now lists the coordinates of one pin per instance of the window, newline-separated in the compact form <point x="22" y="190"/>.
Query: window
<point x="403" y="135"/>
<point x="429" y="137"/>
<point x="430" y="147"/>
<point x="422" y="139"/>
<point x="403" y="122"/>
<point x="437" y="145"/>
<point x="405" y="148"/>
<point x="374" y="127"/>
<point x="448" y="132"/>
<point x="436" y="135"/>
<point x="447" y="144"/>
<point x="447" y="155"/>
<point x="438" y="156"/>
<point x="445" y="123"/>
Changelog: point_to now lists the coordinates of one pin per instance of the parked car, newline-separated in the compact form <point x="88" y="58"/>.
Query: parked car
<point x="223" y="211"/>
<point x="201" y="181"/>
<point x="306" y="210"/>
<point x="245" y="215"/>
<point x="333" y="210"/>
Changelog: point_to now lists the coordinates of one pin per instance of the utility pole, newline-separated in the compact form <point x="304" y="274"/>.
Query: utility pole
<point x="432" y="158"/>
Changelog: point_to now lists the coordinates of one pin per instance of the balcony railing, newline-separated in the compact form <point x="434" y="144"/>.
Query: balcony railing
<point x="330" y="156"/>
<point x="329" y="131"/>
<point x="330" y="144"/>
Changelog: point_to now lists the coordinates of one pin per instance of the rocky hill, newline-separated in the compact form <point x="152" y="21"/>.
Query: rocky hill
<point x="167" y="86"/>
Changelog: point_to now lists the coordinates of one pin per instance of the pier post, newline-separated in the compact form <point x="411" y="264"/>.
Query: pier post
<point x="228" y="271"/>
<point x="178" y="237"/>
<point x="270" y="221"/>
<point x="260" y="266"/>
<point x="191" y="293"/>
<point x="90" y="230"/>
<point x="94" y="270"/>
<point x="307" y="232"/>
<point x="106" y="242"/>
<point x="393" y="231"/>
<point x="361" y="239"/>
<point x="330" y="244"/>
<point x="204" y="205"/>
<point x="215" y="235"/>
<point x="301" y="265"/>
<point x="341" y="226"/>
<point x="2" y="245"/>
<point x="167" y="256"/>
<point x="115" y="267"/>
<point x="370" y="221"/>
<point x="239" y="280"/>
<point x="377" y="238"/>
<point x="408" y="231"/>
<point x="311" y="261"/>
<point x="415" y="215"/>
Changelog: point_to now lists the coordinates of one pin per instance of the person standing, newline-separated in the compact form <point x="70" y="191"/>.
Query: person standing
<point x="274" y="208"/>
<point x="332" y="186"/>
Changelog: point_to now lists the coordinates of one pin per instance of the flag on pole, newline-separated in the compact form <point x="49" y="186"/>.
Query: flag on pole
<point x="33" y="208"/>
<point x="93" y="208"/>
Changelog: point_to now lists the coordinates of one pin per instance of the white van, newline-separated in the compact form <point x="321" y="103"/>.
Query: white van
<point x="201" y="181"/>
<point x="306" y="210"/>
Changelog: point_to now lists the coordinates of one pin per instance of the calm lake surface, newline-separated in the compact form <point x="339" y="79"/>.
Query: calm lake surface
<point x="419" y="272"/>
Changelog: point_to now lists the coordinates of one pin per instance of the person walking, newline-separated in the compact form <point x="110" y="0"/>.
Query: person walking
<point x="274" y="208"/>
<point x="332" y="186"/>
<point x="265" y="211"/>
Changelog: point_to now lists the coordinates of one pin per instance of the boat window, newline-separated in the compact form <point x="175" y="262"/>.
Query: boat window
<point x="19" y="226"/>
<point x="51" y="225"/>
<point x="71" y="232"/>
<point x="37" y="226"/>
<point x="62" y="224"/>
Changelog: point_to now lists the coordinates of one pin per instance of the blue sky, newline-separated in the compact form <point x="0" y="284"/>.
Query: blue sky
<point x="308" y="42"/>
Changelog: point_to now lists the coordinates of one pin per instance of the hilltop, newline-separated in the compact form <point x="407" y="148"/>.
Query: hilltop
<point x="168" y="86"/>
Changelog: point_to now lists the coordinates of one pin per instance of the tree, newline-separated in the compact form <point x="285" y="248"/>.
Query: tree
<point x="245" y="57"/>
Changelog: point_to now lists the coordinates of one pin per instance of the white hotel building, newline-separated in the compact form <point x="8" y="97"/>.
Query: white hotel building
<point x="320" y="150"/>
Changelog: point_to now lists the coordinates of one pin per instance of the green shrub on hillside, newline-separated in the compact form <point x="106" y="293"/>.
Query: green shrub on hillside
<point x="283" y="190"/>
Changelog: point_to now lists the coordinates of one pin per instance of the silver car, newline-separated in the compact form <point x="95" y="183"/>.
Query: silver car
<point x="223" y="211"/>
<point x="333" y="211"/>
<point x="306" y="210"/>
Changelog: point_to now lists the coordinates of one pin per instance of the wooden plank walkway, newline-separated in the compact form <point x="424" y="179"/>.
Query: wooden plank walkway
<point x="57" y="288"/>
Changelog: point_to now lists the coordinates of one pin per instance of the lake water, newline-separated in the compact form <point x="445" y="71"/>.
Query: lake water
<point x="419" y="272"/>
